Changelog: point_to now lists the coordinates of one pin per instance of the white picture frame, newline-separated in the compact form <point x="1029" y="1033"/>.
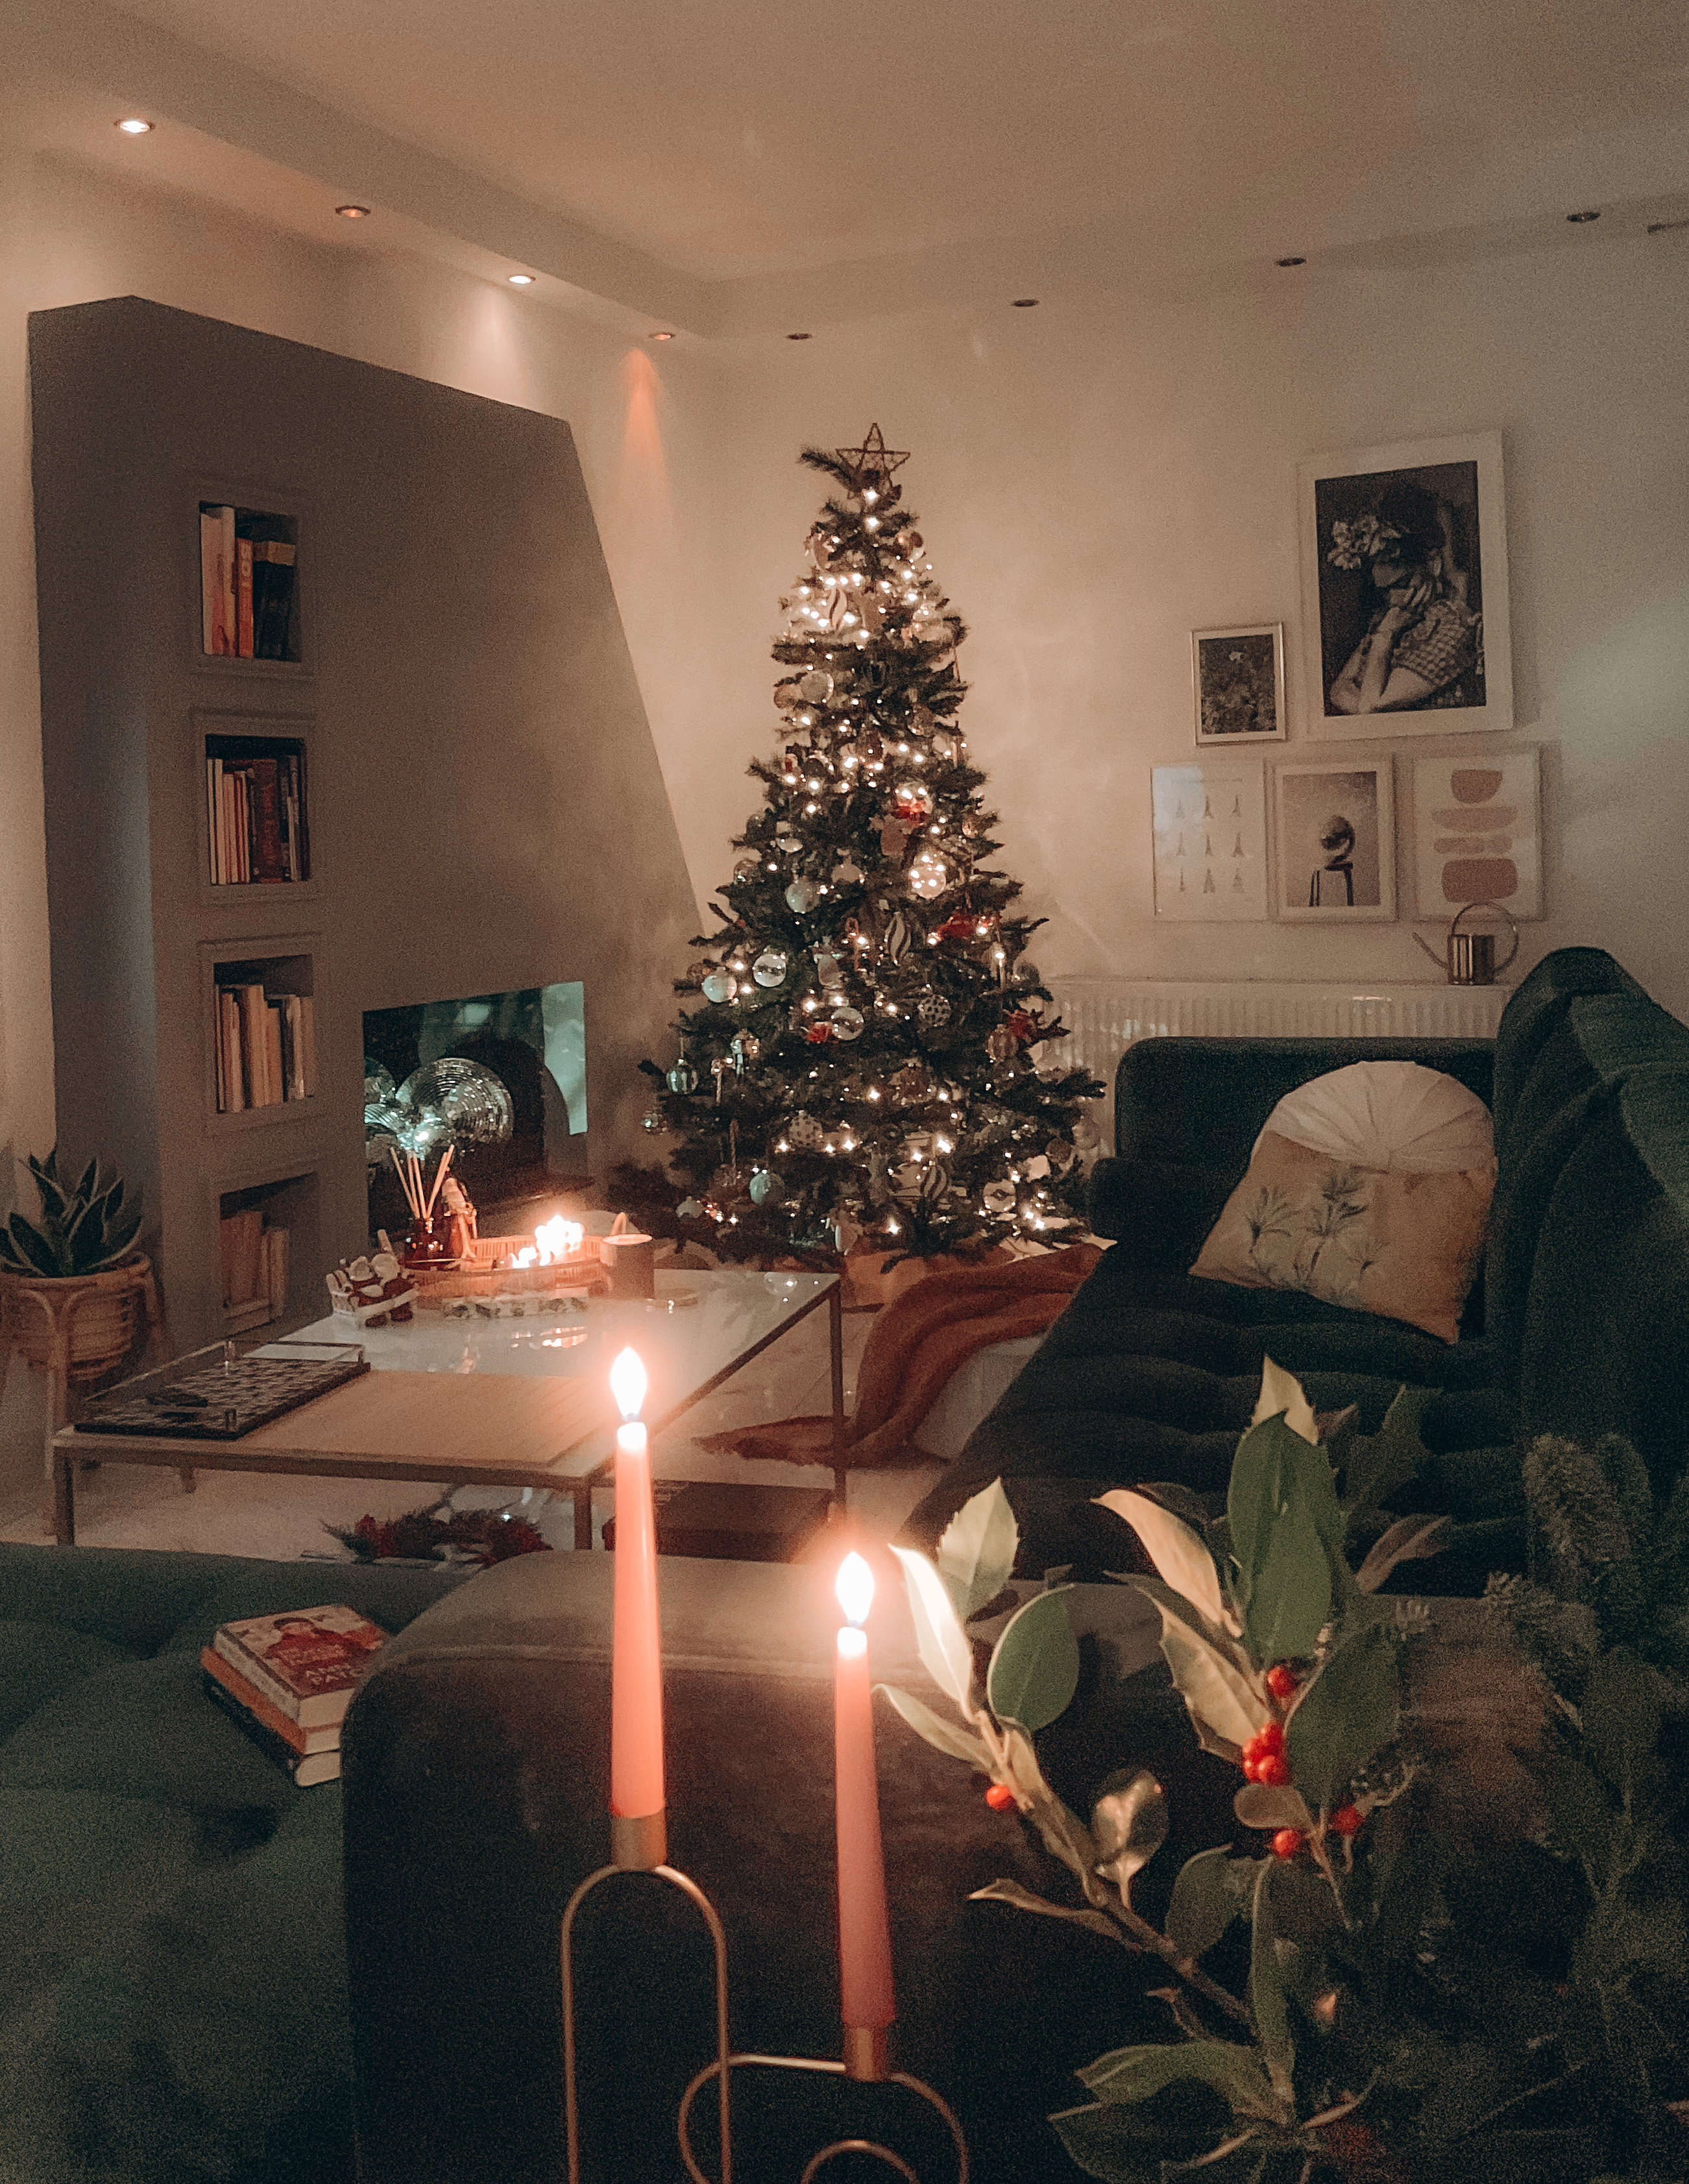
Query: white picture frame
<point x="1478" y="832"/>
<point x="1237" y="678"/>
<point x="1209" y="824"/>
<point x="1404" y="578"/>
<point x="1334" y="841"/>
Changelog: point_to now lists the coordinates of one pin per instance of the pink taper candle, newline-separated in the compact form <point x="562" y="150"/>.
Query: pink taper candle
<point x="867" y="2003"/>
<point x="636" y="1683"/>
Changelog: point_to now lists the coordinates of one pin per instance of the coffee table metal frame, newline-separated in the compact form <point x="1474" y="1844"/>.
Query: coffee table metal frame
<point x="69" y="1447"/>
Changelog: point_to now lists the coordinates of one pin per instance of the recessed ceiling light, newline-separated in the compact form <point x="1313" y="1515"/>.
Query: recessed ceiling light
<point x="662" y="337"/>
<point x="1290" y="261"/>
<point x="1026" y="303"/>
<point x="1582" y="218"/>
<point x="797" y="336"/>
<point x="520" y="279"/>
<point x="353" y="212"/>
<point x="133" y="125"/>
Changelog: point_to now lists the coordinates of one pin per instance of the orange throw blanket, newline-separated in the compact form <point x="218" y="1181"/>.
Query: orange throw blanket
<point x="917" y="1343"/>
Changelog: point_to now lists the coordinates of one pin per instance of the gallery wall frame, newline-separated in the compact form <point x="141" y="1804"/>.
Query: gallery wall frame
<point x="1404" y="579"/>
<point x="1237" y="677"/>
<point x="1334" y="841"/>
<point x="1477" y="832"/>
<point x="1209" y="821"/>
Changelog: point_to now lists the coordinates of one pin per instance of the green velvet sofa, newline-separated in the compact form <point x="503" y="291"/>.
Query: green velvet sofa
<point x="173" y="1989"/>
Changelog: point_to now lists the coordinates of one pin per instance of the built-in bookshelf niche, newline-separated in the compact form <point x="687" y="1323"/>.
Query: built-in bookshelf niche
<point x="250" y="584"/>
<point x="265" y="1230"/>
<point x="258" y="826"/>
<point x="261" y="1032"/>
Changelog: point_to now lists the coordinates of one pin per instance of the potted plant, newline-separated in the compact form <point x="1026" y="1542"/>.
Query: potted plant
<point x="72" y="1284"/>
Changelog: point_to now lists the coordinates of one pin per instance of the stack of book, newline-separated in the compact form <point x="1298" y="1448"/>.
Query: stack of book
<point x="246" y="583"/>
<point x="286" y="1680"/>
<point x="255" y="814"/>
<point x="266" y="1047"/>
<point x="254" y="1260"/>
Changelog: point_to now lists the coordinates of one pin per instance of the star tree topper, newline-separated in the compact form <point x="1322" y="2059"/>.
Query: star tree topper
<point x="872" y="463"/>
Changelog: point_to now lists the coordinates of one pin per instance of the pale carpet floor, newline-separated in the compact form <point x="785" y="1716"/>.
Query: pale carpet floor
<point x="283" y="1519"/>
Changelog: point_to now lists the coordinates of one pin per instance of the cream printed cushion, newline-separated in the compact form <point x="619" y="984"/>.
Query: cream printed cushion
<point x="1370" y="1188"/>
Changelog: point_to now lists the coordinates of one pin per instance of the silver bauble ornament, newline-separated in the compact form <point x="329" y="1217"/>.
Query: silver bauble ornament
<point x="689" y="1209"/>
<point x="786" y="696"/>
<point x="770" y="968"/>
<point x="655" y="1120"/>
<point x="847" y="1023"/>
<point x="929" y="875"/>
<point x="719" y="986"/>
<point x="803" y="894"/>
<point x="1061" y="1155"/>
<point x="999" y="1197"/>
<point x="682" y="1077"/>
<point x="747" y="867"/>
<point x="933" y="1012"/>
<point x="816" y="688"/>
<point x="767" y="1187"/>
<point x="804" y="1132"/>
<point x="1025" y="974"/>
<point x="1084" y="1132"/>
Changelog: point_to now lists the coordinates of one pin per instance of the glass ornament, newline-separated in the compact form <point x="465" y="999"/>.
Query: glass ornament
<point x="816" y="686"/>
<point x="1084" y="1132"/>
<point x="682" y="1077"/>
<point x="999" y="1198"/>
<point x="929" y="875"/>
<point x="770" y="968"/>
<point x="690" y="1209"/>
<point x="1023" y="973"/>
<point x="804" y="1132"/>
<point x="847" y="1023"/>
<point x="803" y="894"/>
<point x="655" y="1120"/>
<point x="719" y="986"/>
<point x="933" y="1012"/>
<point x="767" y="1187"/>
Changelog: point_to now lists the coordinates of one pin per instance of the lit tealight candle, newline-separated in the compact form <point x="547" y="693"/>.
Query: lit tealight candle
<point x="867" y="2003"/>
<point x="638" y="1830"/>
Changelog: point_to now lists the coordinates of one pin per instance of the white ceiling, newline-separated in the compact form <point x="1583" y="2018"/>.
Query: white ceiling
<point x="733" y="164"/>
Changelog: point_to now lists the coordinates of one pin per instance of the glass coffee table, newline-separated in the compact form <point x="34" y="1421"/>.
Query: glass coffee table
<point x="518" y="1401"/>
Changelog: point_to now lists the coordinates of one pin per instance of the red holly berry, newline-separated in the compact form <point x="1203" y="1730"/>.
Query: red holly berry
<point x="1281" y="1680"/>
<point x="1270" y="1739"/>
<point x="1252" y="1766"/>
<point x="1348" y="1820"/>
<point x="1287" y="1842"/>
<point x="1273" y="1768"/>
<point x="1000" y="1798"/>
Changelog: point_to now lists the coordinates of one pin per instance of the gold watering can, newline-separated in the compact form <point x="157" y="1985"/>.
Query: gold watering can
<point x="1469" y="959"/>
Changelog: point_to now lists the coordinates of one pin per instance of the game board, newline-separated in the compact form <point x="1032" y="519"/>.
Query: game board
<point x="222" y="1400"/>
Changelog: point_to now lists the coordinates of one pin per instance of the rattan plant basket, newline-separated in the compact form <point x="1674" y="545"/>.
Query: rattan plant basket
<point x="101" y="1314"/>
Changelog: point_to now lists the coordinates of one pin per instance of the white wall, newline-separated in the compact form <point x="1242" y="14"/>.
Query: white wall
<point x="1097" y="478"/>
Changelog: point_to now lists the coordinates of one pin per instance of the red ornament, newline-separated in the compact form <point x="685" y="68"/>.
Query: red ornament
<point x="1348" y="1820"/>
<point x="1287" y="1842"/>
<point x="1000" y="1798"/>
<point x="1281" y="1681"/>
<point x="818" y="1034"/>
<point x="1022" y="1028"/>
<point x="960" y="925"/>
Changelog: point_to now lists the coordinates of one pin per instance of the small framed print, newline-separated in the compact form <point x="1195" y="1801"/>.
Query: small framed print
<point x="1477" y="834"/>
<point x="1404" y="559"/>
<point x="1210" y="822"/>
<point x="1238" y="676"/>
<point x="1336" y="842"/>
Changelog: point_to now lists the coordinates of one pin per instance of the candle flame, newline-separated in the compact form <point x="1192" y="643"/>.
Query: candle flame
<point x="525" y="1256"/>
<point x="558" y="1240"/>
<point x="855" y="1587"/>
<point x="627" y="1385"/>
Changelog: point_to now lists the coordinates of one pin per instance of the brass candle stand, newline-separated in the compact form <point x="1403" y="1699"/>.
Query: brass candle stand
<point x="641" y="1845"/>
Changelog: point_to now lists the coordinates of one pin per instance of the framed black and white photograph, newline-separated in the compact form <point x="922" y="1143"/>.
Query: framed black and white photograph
<point x="1239" y="679"/>
<point x="1209" y="848"/>
<point x="1335" y="841"/>
<point x="1404" y="560"/>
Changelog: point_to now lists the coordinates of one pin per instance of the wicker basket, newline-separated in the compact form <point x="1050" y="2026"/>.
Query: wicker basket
<point x="103" y="1313"/>
<point x="479" y="1275"/>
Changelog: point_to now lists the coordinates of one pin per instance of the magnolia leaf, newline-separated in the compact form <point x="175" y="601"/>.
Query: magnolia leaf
<point x="1026" y="1776"/>
<point x="941" y="1735"/>
<point x="1211" y="1892"/>
<point x="1411" y="1539"/>
<point x="1271" y="1805"/>
<point x="977" y="1549"/>
<point x="1181" y="1557"/>
<point x="1136" y="2074"/>
<point x="1281" y="1396"/>
<point x="1266" y="2003"/>
<point x="1224" y="1708"/>
<point x="1011" y="1891"/>
<point x="1286" y="1531"/>
<point x="1122" y="2146"/>
<point x="1034" y="1669"/>
<point x="1343" y="1715"/>
<point x="945" y="1651"/>
<point x="1129" y="1826"/>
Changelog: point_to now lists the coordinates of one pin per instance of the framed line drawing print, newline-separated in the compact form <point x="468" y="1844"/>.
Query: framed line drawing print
<point x="1404" y="563"/>
<point x="1335" y="841"/>
<point x="1478" y="834"/>
<point x="1238" y="678"/>
<point x="1209" y="825"/>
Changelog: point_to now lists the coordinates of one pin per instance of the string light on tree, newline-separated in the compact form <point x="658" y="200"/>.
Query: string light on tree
<point x="864" y="988"/>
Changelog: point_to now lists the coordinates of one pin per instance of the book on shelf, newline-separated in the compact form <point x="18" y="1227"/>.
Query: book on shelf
<point x="306" y="1661"/>
<point x="265" y="1048"/>
<point x="254" y="810"/>
<point x="307" y="1769"/>
<point x="246" y="583"/>
<point x="254" y="1264"/>
<point x="304" y="1741"/>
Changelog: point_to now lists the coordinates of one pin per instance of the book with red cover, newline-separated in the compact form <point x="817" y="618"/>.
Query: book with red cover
<point x="269" y="857"/>
<point x="305" y="1660"/>
<point x="243" y="598"/>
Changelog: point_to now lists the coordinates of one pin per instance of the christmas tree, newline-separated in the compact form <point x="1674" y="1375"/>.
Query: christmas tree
<point x="870" y="1058"/>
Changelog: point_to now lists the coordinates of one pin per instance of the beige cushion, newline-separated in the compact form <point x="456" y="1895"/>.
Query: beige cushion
<point x="1394" y="1115"/>
<point x="1404" y="1245"/>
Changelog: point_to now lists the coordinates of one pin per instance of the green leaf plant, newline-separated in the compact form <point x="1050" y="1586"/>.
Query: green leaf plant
<point x="85" y="1226"/>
